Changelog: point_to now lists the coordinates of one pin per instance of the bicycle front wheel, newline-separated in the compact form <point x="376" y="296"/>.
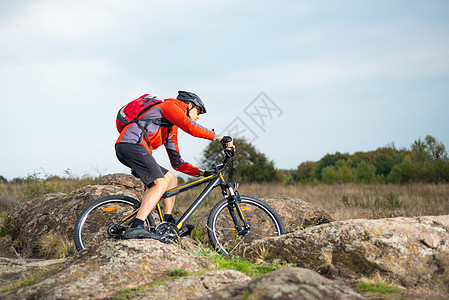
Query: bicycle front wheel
<point x="105" y="218"/>
<point x="262" y="220"/>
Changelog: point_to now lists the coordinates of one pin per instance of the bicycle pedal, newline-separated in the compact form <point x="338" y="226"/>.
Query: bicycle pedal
<point x="183" y="230"/>
<point x="169" y="240"/>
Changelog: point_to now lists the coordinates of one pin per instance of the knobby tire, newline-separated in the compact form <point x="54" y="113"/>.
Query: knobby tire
<point x="262" y="219"/>
<point x="91" y="227"/>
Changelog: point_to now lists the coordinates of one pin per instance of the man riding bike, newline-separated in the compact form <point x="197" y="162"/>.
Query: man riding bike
<point x="137" y="141"/>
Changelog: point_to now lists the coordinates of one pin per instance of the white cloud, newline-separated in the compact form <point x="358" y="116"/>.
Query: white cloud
<point x="85" y="58"/>
<point x="327" y="73"/>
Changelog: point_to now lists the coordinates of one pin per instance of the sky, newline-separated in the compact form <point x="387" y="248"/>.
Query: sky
<point x="299" y="79"/>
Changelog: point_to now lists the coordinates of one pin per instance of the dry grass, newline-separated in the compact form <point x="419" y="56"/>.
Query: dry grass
<point x="54" y="245"/>
<point x="362" y="200"/>
<point x="411" y="199"/>
<point x="345" y="201"/>
<point x="377" y="287"/>
<point x="10" y="195"/>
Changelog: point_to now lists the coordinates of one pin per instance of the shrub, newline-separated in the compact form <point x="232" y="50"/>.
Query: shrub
<point x="404" y="172"/>
<point x="377" y="287"/>
<point x="252" y="165"/>
<point x="177" y="272"/>
<point x="365" y="172"/>
<point x="37" y="186"/>
<point x="54" y="245"/>
<point x="340" y="173"/>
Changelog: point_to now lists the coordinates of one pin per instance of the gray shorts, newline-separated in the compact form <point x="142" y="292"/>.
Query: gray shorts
<point x="140" y="161"/>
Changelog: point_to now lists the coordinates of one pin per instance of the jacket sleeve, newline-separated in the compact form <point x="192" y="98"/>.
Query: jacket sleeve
<point x="177" y="116"/>
<point x="171" y="145"/>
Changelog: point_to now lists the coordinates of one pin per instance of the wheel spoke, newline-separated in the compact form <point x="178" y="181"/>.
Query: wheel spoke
<point x="262" y="220"/>
<point x="105" y="218"/>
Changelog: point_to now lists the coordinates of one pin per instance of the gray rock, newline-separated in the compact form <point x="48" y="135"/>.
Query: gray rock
<point x="286" y="283"/>
<point x="412" y="252"/>
<point x="122" y="180"/>
<point x="15" y="271"/>
<point x="102" y="272"/>
<point x="57" y="213"/>
<point x="194" y="286"/>
<point x="297" y="214"/>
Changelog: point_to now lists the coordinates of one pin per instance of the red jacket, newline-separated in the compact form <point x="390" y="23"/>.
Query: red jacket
<point x="174" y="111"/>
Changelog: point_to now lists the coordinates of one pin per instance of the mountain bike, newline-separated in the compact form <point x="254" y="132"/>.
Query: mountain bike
<point x="234" y="221"/>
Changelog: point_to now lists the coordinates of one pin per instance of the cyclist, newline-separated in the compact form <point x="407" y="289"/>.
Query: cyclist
<point x="134" y="150"/>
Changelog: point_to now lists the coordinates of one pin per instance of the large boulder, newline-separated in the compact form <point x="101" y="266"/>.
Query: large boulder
<point x="122" y="180"/>
<point x="15" y="271"/>
<point x="194" y="286"/>
<point x="296" y="213"/>
<point x="412" y="252"/>
<point x="286" y="283"/>
<point x="103" y="271"/>
<point x="56" y="213"/>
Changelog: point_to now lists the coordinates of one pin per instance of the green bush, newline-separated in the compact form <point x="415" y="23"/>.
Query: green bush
<point x="37" y="186"/>
<point x="404" y="172"/>
<point x="252" y="165"/>
<point x="340" y="173"/>
<point x="365" y="172"/>
<point x="377" y="288"/>
<point x="427" y="161"/>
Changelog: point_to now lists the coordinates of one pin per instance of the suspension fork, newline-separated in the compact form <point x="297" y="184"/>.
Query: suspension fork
<point x="233" y="206"/>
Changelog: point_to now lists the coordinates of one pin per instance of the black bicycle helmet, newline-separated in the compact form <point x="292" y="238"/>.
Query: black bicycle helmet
<point x="191" y="97"/>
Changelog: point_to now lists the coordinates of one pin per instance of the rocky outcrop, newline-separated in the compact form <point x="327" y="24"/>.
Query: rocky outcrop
<point x="194" y="286"/>
<point x="297" y="214"/>
<point x="146" y="269"/>
<point x="14" y="271"/>
<point x="412" y="252"/>
<point x="286" y="283"/>
<point x="56" y="213"/>
<point x="122" y="180"/>
<point x="103" y="271"/>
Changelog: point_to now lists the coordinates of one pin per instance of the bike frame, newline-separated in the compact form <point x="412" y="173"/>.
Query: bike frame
<point x="214" y="180"/>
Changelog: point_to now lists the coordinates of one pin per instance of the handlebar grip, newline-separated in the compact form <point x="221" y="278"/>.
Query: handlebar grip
<point x="229" y="153"/>
<point x="208" y="173"/>
<point x="226" y="139"/>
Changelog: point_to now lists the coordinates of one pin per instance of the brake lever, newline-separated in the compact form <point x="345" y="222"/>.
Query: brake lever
<point x="219" y="167"/>
<point x="228" y="154"/>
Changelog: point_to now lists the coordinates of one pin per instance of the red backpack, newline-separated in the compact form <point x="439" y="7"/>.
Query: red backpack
<point x="132" y="111"/>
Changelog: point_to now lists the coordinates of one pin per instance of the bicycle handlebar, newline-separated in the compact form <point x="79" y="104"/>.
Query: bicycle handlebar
<point x="220" y="166"/>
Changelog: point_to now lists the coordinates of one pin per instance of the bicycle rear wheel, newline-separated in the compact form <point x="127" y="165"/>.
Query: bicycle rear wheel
<point x="103" y="219"/>
<point x="261" y="218"/>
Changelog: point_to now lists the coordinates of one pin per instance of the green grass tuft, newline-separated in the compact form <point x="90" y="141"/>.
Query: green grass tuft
<point x="177" y="273"/>
<point x="242" y="265"/>
<point x="32" y="279"/>
<point x="378" y="287"/>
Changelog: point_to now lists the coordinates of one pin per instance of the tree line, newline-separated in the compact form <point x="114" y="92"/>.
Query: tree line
<point x="426" y="161"/>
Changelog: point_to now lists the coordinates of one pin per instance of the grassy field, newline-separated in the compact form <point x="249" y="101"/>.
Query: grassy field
<point x="348" y="201"/>
<point x="342" y="201"/>
<point x="12" y="195"/>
